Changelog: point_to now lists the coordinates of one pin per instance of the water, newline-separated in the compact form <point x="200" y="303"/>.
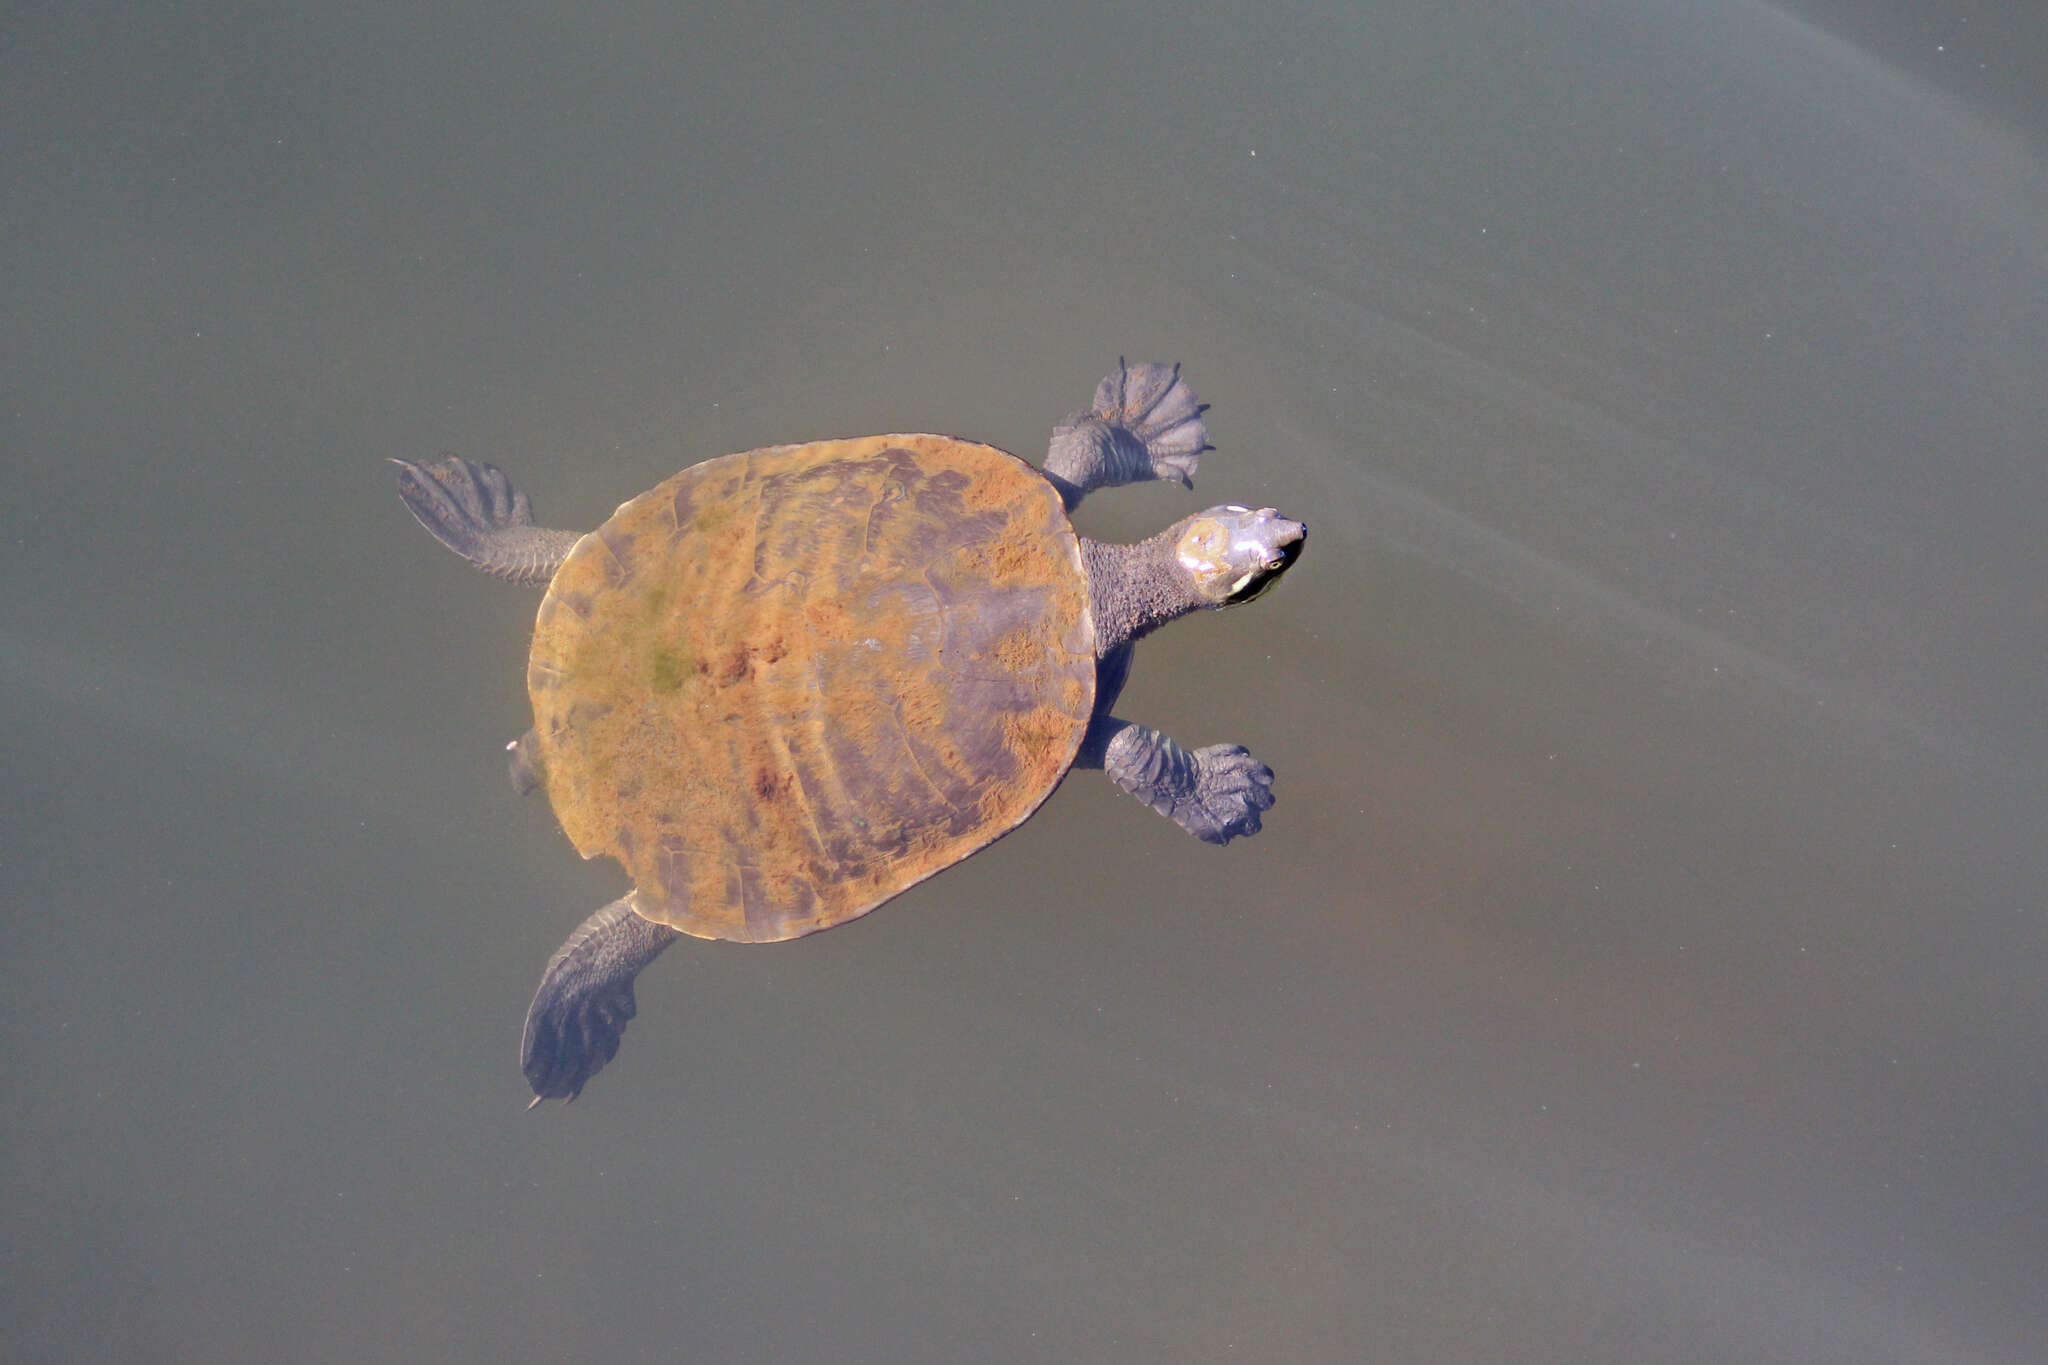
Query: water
<point x="1643" y="964"/>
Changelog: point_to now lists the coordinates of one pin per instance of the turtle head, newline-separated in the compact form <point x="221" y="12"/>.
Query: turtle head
<point x="1231" y="554"/>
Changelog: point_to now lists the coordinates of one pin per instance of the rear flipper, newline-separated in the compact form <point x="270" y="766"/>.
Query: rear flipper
<point x="1146" y="424"/>
<point x="1216" y="793"/>
<point x="475" y="511"/>
<point x="586" y="1000"/>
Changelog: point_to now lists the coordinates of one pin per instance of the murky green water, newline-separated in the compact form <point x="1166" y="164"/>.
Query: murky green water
<point x="1643" y="963"/>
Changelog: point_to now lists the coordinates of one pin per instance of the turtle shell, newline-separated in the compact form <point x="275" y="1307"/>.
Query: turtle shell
<point x="785" y="685"/>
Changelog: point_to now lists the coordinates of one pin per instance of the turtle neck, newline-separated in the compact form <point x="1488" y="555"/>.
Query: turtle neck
<point x="1135" y="589"/>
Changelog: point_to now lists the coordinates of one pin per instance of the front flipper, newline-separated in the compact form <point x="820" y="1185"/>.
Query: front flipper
<point x="585" y="1000"/>
<point x="1216" y="793"/>
<point x="1146" y="424"/>
<point x="475" y="511"/>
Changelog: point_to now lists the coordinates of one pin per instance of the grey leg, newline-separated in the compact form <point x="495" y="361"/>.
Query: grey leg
<point x="475" y="511"/>
<point x="1146" y="424"/>
<point x="585" y="1000"/>
<point x="1216" y="793"/>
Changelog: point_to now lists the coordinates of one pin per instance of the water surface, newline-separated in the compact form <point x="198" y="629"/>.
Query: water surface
<point x="1643" y="963"/>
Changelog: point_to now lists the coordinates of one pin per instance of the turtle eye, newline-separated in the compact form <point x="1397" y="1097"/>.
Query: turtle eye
<point x="1276" y="563"/>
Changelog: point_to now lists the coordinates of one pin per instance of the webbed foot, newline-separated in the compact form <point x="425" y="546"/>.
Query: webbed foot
<point x="474" y="510"/>
<point x="1232" y="790"/>
<point x="586" y="1000"/>
<point x="1152" y="403"/>
<point x="570" y="1038"/>
<point x="1146" y="423"/>
<point x="1216" y="793"/>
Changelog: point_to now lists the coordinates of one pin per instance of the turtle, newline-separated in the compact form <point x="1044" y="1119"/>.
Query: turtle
<point x="783" y="686"/>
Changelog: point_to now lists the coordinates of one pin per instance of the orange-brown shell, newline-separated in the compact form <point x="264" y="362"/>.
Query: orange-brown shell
<point x="783" y="686"/>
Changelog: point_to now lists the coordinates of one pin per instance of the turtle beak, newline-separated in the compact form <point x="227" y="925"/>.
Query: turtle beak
<point x="1272" y="542"/>
<point x="1283" y="534"/>
<point x="1234" y="553"/>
